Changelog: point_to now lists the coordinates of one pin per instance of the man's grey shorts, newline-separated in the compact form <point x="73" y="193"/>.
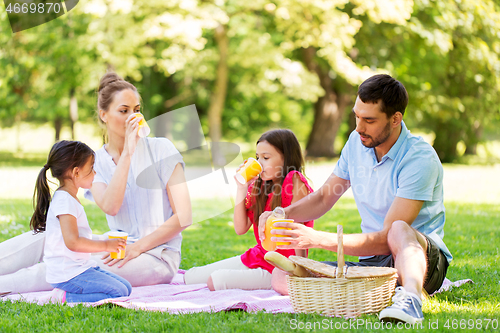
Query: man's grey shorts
<point x="437" y="265"/>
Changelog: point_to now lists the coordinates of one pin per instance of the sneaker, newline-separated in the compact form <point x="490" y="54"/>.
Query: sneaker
<point x="56" y="296"/>
<point x="406" y="308"/>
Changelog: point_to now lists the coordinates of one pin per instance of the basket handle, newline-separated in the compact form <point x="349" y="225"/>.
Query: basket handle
<point x="340" y="252"/>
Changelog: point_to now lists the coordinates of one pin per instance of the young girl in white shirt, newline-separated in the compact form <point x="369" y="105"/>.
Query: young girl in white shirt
<point x="68" y="237"/>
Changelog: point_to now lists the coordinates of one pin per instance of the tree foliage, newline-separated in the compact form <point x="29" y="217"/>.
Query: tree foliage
<point x="286" y="63"/>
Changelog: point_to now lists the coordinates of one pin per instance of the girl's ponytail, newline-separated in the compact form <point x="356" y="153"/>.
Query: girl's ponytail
<point x="63" y="157"/>
<point x="41" y="201"/>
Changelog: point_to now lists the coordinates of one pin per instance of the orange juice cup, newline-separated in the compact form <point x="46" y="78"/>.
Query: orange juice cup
<point x="144" y="129"/>
<point x="117" y="234"/>
<point x="280" y="228"/>
<point x="250" y="169"/>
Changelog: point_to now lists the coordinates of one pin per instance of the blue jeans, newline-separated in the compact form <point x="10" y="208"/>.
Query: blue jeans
<point x="94" y="285"/>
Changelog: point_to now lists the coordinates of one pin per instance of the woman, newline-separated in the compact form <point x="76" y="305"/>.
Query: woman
<point x="153" y="216"/>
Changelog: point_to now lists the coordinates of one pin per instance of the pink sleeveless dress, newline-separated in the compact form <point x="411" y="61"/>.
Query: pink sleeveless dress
<point x="254" y="257"/>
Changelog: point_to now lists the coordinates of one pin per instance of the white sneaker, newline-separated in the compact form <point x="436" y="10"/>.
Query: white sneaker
<point x="406" y="308"/>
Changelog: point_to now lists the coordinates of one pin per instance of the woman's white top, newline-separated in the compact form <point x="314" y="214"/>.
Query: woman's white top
<point x="145" y="205"/>
<point x="62" y="263"/>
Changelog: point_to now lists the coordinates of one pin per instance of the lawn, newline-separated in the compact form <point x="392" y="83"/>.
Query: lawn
<point x="472" y="235"/>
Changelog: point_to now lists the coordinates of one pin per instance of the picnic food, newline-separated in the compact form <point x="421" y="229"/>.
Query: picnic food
<point x="316" y="268"/>
<point x="278" y="213"/>
<point x="250" y="169"/>
<point x="280" y="261"/>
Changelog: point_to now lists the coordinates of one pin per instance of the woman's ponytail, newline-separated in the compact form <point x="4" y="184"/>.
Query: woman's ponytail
<point x="41" y="202"/>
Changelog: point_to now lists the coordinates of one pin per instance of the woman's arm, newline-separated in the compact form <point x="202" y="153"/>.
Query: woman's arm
<point x="178" y="195"/>
<point x="110" y="197"/>
<point x="75" y="243"/>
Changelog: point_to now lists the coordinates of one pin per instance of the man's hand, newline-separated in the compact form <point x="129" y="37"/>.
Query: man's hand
<point x="300" y="236"/>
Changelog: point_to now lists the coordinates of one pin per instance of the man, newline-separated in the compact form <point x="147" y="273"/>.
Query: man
<point x="397" y="182"/>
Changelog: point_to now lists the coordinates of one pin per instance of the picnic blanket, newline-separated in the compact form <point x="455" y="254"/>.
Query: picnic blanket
<point x="177" y="298"/>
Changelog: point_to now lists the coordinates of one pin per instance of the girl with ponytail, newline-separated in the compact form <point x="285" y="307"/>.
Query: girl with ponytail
<point x="68" y="239"/>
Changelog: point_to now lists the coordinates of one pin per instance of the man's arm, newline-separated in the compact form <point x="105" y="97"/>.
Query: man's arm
<point x="365" y="244"/>
<point x="316" y="204"/>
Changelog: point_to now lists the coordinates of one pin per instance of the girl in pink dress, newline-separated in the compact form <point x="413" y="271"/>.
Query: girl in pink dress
<point x="280" y="183"/>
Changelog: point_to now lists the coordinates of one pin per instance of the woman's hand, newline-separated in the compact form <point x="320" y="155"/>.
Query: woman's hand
<point x="131" y="134"/>
<point x="132" y="251"/>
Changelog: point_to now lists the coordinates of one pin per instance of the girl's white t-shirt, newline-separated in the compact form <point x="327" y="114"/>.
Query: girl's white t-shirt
<point x="62" y="263"/>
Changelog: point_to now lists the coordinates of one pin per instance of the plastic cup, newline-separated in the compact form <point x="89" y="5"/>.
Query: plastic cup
<point x="249" y="170"/>
<point x="281" y="228"/>
<point x="144" y="129"/>
<point x="117" y="234"/>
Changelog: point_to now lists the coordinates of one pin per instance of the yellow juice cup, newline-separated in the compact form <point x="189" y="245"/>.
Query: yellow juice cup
<point x="117" y="234"/>
<point x="277" y="214"/>
<point x="144" y="129"/>
<point x="250" y="169"/>
<point x="280" y="228"/>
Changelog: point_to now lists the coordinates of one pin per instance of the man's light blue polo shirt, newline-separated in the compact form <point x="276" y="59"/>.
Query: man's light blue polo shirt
<point x="411" y="170"/>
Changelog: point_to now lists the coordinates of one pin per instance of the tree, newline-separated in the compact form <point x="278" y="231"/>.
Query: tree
<point x="447" y="57"/>
<point x="324" y="32"/>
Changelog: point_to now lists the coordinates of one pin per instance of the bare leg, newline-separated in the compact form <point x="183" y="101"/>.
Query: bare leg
<point x="409" y="249"/>
<point x="278" y="281"/>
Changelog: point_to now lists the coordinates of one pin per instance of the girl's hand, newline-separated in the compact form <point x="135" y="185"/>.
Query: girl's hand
<point x="131" y="252"/>
<point x="131" y="134"/>
<point x="241" y="165"/>
<point x="115" y="244"/>
<point x="262" y="224"/>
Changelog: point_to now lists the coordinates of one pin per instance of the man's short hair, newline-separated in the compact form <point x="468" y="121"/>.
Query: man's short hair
<point x="389" y="91"/>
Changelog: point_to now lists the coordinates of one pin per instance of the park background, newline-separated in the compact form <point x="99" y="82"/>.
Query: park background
<point x="249" y="66"/>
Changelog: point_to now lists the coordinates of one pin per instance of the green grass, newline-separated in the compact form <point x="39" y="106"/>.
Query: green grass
<point x="472" y="234"/>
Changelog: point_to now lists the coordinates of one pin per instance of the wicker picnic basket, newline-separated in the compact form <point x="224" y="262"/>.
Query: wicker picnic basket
<point x="351" y="292"/>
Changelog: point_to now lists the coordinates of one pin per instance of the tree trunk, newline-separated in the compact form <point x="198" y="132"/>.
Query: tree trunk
<point x="474" y="134"/>
<point x="73" y="112"/>
<point x="218" y="97"/>
<point x="18" y="132"/>
<point x="328" y="111"/>
<point x="58" y="127"/>
<point x="445" y="143"/>
<point x="352" y="125"/>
